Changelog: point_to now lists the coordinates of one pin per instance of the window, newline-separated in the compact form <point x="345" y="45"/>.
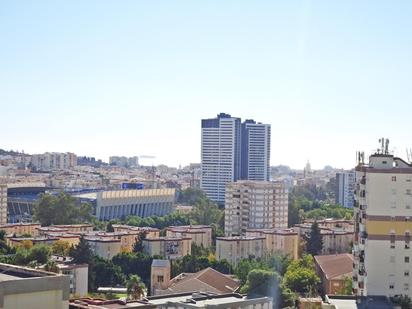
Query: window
<point x="406" y="286"/>
<point x="408" y="179"/>
<point x="160" y="278"/>
<point x="406" y="273"/>
<point x="393" y="178"/>
<point x="393" y="204"/>
<point x="391" y="286"/>
<point x="408" y="191"/>
<point x="406" y="259"/>
<point x="392" y="241"/>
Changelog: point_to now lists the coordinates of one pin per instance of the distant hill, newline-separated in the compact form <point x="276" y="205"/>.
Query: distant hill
<point x="9" y="152"/>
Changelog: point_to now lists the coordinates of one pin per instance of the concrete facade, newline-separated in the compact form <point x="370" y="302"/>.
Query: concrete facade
<point x="168" y="247"/>
<point x="23" y="288"/>
<point x="235" y="248"/>
<point x="383" y="226"/>
<point x="255" y="205"/>
<point x="201" y="235"/>
<point x="279" y="241"/>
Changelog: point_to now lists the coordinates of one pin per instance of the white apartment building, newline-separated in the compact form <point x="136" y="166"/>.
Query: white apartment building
<point x="53" y="161"/>
<point x="220" y="155"/>
<point x="383" y="226"/>
<point x="345" y="188"/>
<point x="255" y="156"/>
<point x="255" y="205"/>
<point x="3" y="204"/>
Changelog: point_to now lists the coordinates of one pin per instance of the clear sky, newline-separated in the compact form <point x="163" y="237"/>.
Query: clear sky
<point x="129" y="78"/>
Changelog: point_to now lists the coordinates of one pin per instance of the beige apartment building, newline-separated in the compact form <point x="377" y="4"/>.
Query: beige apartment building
<point x="255" y="205"/>
<point x="335" y="239"/>
<point x="383" y="226"/>
<point x="278" y="241"/>
<point x="3" y="203"/>
<point x="23" y="288"/>
<point x="105" y="247"/>
<point x="168" y="247"/>
<point x="19" y="229"/>
<point x="150" y="232"/>
<point x="235" y="248"/>
<point x="201" y="235"/>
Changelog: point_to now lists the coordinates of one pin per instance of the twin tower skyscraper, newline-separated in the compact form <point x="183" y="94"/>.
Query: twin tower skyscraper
<point x="232" y="150"/>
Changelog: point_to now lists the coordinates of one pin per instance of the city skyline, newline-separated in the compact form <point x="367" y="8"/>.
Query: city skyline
<point x="102" y="79"/>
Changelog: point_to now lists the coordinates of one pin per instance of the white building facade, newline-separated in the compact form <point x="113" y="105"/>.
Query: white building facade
<point x="220" y="155"/>
<point x="383" y="226"/>
<point x="255" y="151"/>
<point x="53" y="161"/>
<point x="345" y="188"/>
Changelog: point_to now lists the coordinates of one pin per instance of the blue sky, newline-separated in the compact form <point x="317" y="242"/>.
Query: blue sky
<point x="108" y="78"/>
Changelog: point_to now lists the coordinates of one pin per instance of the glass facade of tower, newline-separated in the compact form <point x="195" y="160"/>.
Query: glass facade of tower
<point x="230" y="151"/>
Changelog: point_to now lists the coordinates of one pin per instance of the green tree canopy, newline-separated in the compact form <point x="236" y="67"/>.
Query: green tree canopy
<point x="301" y="276"/>
<point x="81" y="254"/>
<point x="135" y="287"/>
<point x="61" y="209"/>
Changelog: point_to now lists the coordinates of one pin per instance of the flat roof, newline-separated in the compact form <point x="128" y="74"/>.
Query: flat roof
<point x="13" y="272"/>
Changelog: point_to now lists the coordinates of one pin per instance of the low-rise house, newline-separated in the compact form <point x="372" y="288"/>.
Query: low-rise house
<point x="283" y="241"/>
<point x="168" y="247"/>
<point x="201" y="235"/>
<point x="334" y="240"/>
<point x="23" y="288"/>
<point x="71" y="239"/>
<point x="150" y="232"/>
<point x="235" y="248"/>
<point x="76" y="228"/>
<point x="334" y="270"/>
<point x="207" y="280"/>
<point x="20" y="229"/>
<point x="18" y="241"/>
<point x="105" y="247"/>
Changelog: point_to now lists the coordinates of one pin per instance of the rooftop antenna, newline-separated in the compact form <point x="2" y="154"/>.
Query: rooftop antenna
<point x="387" y="146"/>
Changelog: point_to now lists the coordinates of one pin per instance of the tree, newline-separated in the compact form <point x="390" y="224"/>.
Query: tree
<point x="61" y="209"/>
<point x="134" y="263"/>
<point x="81" y="254"/>
<point x="404" y="301"/>
<point x="190" y="196"/>
<point x="105" y="273"/>
<point x="301" y="276"/>
<point x="314" y="243"/>
<point x="135" y="287"/>
<point x="347" y="287"/>
<point x="109" y="227"/>
<point x="138" y="245"/>
<point x="51" y="266"/>
<point x="40" y="253"/>
<point x="262" y="282"/>
<point x="206" y="212"/>
<point x="60" y="247"/>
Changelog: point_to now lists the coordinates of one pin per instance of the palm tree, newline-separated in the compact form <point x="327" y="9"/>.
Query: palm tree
<point x="135" y="287"/>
